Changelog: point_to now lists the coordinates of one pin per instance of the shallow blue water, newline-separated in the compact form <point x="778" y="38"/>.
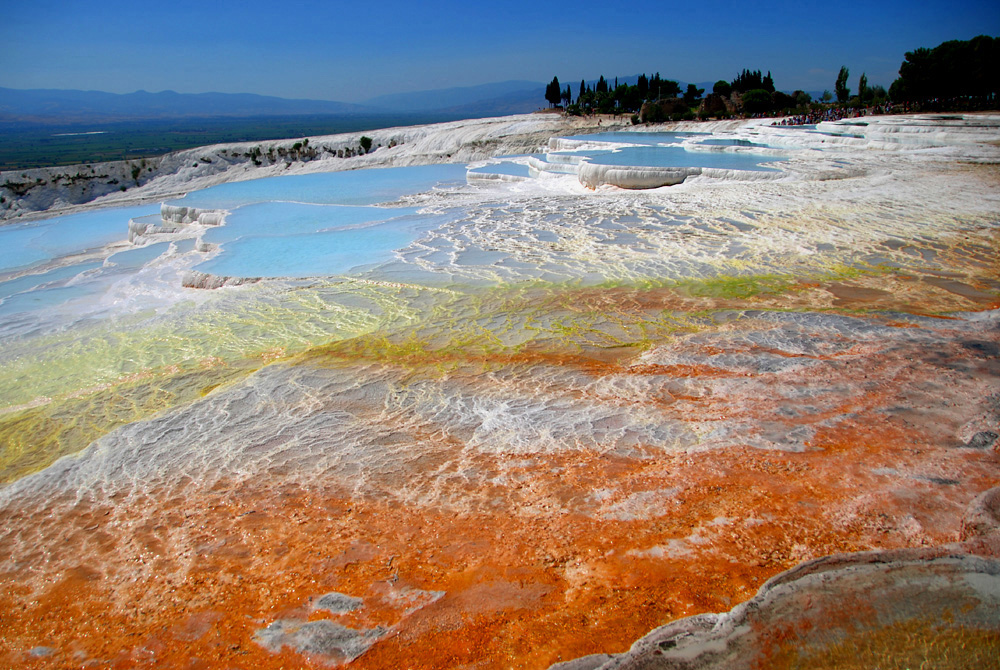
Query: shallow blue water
<point x="133" y="259"/>
<point x="636" y="138"/>
<point x="318" y="224"/>
<point x="81" y="280"/>
<point x="42" y="299"/>
<point x="356" y="187"/>
<point x="657" y="156"/>
<point x="280" y="219"/>
<point x="280" y="239"/>
<point x="29" y="282"/>
<point x="515" y="169"/>
<point x="664" y="150"/>
<point x="26" y="244"/>
<point x="320" y="252"/>
<point x="731" y="143"/>
<point x="289" y="226"/>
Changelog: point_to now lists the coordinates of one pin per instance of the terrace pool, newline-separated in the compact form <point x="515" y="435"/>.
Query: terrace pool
<point x="507" y="168"/>
<point x="355" y="187"/>
<point x="290" y="226"/>
<point x="25" y="245"/>
<point x="624" y="137"/>
<point x="679" y="157"/>
<point x="312" y="240"/>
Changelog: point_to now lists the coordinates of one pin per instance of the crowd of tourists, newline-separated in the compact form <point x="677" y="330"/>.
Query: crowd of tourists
<point x="838" y="113"/>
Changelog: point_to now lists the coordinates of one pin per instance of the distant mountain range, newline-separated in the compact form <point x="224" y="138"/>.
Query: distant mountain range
<point x="68" y="106"/>
<point x="526" y="96"/>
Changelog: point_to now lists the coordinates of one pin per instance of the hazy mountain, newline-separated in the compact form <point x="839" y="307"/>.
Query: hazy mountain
<point x="51" y="105"/>
<point x="505" y="97"/>
<point x="514" y="103"/>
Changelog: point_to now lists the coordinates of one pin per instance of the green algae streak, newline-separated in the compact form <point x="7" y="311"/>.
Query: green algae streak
<point x="59" y="392"/>
<point x="67" y="389"/>
<point x="35" y="437"/>
<point x="516" y="320"/>
<point x="260" y="322"/>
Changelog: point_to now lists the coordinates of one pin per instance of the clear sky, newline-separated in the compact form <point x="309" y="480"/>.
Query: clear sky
<point x="351" y="51"/>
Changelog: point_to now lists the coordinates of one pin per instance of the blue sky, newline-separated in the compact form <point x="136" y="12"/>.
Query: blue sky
<point x="352" y="51"/>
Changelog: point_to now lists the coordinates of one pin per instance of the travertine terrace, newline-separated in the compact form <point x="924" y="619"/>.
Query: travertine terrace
<point x="562" y="418"/>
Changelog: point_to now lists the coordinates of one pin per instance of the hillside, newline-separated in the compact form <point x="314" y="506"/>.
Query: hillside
<point x="35" y="193"/>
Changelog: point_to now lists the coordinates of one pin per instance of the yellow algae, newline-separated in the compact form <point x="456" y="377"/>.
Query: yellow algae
<point x="34" y="438"/>
<point x="546" y="317"/>
<point x="740" y="287"/>
<point x="495" y="323"/>
<point x="905" y="645"/>
<point x="259" y="325"/>
<point x="69" y="388"/>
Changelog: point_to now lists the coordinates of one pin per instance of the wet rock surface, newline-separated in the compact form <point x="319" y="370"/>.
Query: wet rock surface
<point x="357" y="509"/>
<point x="318" y="639"/>
<point x="610" y="412"/>
<point x="866" y="609"/>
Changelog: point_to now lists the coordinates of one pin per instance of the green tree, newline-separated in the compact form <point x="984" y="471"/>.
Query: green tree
<point x="723" y="88"/>
<point x="567" y="96"/>
<point x="843" y="93"/>
<point x="553" y="92"/>
<point x="863" y="93"/>
<point x="692" y="95"/>
<point x="915" y="76"/>
<point x="827" y="96"/>
<point x="631" y="99"/>
<point x="768" y="83"/>
<point x="953" y="69"/>
<point x="748" y="81"/>
<point x="366" y="143"/>
<point x="782" y="101"/>
<point x="663" y="88"/>
<point x="757" y="101"/>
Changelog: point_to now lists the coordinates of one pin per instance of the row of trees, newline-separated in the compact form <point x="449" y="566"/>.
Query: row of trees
<point x="756" y="90"/>
<point x="966" y="70"/>
<point x="606" y="98"/>
<point x="866" y="97"/>
<point x="958" y="74"/>
<point x="958" y="69"/>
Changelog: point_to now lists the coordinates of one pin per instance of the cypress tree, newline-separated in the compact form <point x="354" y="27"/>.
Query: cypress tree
<point x="843" y="93"/>
<point x="553" y="92"/>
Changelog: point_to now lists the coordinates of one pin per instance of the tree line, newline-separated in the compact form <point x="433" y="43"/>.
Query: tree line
<point x="962" y="73"/>
<point x="956" y="75"/>
<point x="659" y="99"/>
<point x="966" y="72"/>
<point x="606" y="98"/>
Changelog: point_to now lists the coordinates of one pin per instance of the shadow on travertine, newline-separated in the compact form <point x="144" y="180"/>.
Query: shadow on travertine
<point x="926" y="607"/>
